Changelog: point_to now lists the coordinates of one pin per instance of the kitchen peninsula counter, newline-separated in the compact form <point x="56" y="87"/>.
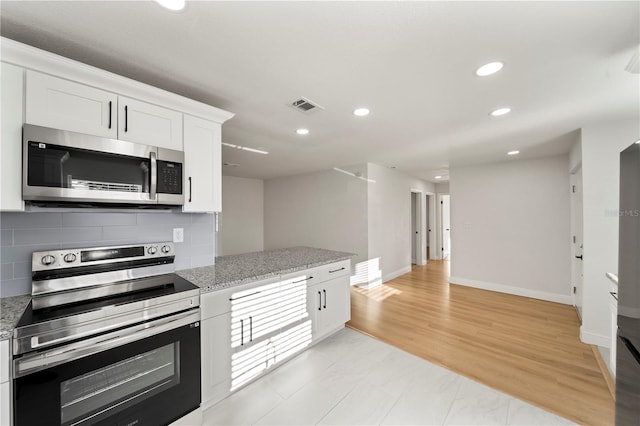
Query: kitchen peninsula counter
<point x="233" y="270"/>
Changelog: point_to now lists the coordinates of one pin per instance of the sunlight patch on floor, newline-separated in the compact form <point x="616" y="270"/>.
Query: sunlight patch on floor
<point x="378" y="293"/>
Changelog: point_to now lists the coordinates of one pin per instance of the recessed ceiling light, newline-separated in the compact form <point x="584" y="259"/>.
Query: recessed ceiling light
<point x="501" y="111"/>
<point x="437" y="177"/>
<point x="302" y="131"/>
<point x="174" y="5"/>
<point x="488" y="69"/>
<point x="513" y="152"/>
<point x="361" y="112"/>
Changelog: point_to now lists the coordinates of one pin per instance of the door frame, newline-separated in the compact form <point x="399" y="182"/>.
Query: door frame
<point x="575" y="179"/>
<point x="440" y="225"/>
<point x="418" y="240"/>
<point x="432" y="223"/>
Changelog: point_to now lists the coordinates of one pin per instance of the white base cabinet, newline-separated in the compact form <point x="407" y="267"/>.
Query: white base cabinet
<point x="249" y="329"/>
<point x="5" y="384"/>
<point x="216" y="358"/>
<point x="329" y="303"/>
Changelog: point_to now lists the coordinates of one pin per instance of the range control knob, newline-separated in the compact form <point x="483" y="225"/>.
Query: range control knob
<point x="166" y="249"/>
<point x="48" y="260"/>
<point x="152" y="250"/>
<point x="69" y="257"/>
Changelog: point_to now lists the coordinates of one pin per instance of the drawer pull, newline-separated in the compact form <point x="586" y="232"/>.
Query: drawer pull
<point x="341" y="269"/>
<point x="231" y="299"/>
<point x="302" y="280"/>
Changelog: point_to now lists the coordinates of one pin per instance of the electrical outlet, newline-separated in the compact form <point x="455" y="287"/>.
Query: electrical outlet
<point x="178" y="235"/>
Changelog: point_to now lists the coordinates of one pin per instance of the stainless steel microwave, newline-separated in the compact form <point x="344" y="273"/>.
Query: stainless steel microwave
<point x="68" y="167"/>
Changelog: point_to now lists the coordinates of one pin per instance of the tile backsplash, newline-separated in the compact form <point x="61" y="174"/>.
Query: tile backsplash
<point x="23" y="233"/>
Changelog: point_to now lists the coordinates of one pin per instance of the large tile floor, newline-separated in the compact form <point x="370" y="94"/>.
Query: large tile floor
<point x="352" y="379"/>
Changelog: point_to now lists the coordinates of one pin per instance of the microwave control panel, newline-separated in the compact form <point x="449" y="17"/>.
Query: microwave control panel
<point x="169" y="177"/>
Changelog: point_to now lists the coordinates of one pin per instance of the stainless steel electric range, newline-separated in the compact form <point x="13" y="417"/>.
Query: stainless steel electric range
<point x="111" y="336"/>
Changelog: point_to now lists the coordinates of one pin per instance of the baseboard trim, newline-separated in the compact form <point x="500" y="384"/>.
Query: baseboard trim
<point x="593" y="338"/>
<point x="396" y="274"/>
<point x="517" y="291"/>
<point x="605" y="371"/>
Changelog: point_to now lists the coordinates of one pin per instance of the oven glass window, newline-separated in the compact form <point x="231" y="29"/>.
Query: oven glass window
<point x="108" y="390"/>
<point x="64" y="167"/>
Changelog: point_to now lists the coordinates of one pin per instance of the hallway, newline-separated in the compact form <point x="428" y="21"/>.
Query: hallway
<point x="524" y="347"/>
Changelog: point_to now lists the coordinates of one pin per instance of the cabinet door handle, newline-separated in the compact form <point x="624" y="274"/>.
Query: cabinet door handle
<point x="325" y="299"/>
<point x="126" y="119"/>
<point x="251" y="329"/>
<point x="319" y="301"/>
<point x="241" y="332"/>
<point x="110" y="103"/>
<point x="336" y="270"/>
<point x="190" y="186"/>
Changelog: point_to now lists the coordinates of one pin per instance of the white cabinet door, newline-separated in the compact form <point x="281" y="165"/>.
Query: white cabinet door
<point x="329" y="304"/>
<point x="5" y="383"/>
<point x="5" y="404"/>
<point x="62" y="104"/>
<point x="149" y="124"/>
<point x="216" y="358"/>
<point x="12" y="107"/>
<point x="203" y="165"/>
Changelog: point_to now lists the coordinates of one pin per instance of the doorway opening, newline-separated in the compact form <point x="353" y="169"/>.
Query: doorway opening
<point x="430" y="221"/>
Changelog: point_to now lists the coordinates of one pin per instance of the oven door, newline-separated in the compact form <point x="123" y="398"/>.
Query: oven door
<point x="154" y="379"/>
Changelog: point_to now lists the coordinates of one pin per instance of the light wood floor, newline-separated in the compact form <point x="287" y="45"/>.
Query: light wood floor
<point x="527" y="348"/>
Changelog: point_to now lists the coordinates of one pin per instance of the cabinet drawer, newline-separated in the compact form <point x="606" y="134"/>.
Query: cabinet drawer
<point x="334" y="270"/>
<point x="219" y="302"/>
<point x="5" y="361"/>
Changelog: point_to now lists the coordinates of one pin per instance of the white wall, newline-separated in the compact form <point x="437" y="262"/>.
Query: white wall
<point x="601" y="146"/>
<point x="241" y="223"/>
<point x="510" y="227"/>
<point x="389" y="205"/>
<point x="326" y="209"/>
<point x="442" y="188"/>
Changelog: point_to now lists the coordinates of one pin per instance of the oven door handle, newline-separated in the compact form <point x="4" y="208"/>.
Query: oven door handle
<point x="29" y="364"/>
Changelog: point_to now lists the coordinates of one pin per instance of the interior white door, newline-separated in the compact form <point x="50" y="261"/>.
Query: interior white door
<point x="578" y="265"/>
<point x="414" y="232"/>
<point x="446" y="226"/>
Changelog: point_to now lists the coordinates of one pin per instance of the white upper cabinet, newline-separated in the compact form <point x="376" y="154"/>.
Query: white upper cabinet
<point x="149" y="124"/>
<point x="11" y="138"/>
<point x="203" y="165"/>
<point x="63" y="104"/>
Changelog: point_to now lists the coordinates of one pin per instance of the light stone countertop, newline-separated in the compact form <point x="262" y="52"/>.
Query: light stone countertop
<point x="241" y="269"/>
<point x="11" y="309"/>
<point x="228" y="271"/>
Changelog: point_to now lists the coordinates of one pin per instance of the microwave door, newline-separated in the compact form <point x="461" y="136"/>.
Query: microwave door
<point x="71" y="167"/>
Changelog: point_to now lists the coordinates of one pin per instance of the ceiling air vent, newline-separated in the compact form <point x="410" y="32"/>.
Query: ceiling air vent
<point x="305" y="105"/>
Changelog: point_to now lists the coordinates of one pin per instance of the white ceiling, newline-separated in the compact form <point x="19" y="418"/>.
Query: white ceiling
<point x="411" y="63"/>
